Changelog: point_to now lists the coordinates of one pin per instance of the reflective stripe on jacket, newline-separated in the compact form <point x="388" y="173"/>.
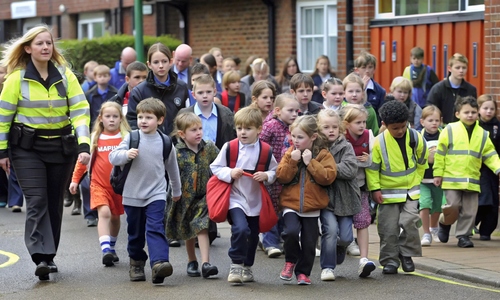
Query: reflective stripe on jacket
<point x="458" y="159"/>
<point x="387" y="172"/>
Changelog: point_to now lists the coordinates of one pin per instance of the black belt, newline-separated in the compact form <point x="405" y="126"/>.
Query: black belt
<point x="49" y="132"/>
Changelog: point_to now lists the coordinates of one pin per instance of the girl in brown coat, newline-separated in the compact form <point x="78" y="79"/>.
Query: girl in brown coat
<point x="305" y="171"/>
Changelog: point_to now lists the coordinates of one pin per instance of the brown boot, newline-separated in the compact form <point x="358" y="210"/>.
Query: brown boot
<point x="161" y="270"/>
<point x="137" y="270"/>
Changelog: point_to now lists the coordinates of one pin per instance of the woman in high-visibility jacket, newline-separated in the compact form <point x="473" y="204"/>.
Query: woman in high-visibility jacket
<point x="41" y="105"/>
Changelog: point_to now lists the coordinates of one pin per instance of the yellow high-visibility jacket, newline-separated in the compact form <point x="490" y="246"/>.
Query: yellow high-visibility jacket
<point x="25" y="100"/>
<point x="388" y="173"/>
<point x="458" y="159"/>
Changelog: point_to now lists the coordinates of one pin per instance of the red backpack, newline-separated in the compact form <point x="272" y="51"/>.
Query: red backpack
<point x="218" y="192"/>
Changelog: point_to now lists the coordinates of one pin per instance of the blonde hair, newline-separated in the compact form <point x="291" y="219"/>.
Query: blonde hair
<point x="402" y="83"/>
<point x="282" y="100"/>
<point x="15" y="57"/>
<point x="230" y="77"/>
<point x="184" y="121"/>
<point x="429" y="110"/>
<point x="203" y="79"/>
<point x="248" y="116"/>
<point x="457" y="57"/>
<point x="350" y="112"/>
<point x="485" y="98"/>
<point x="260" y="64"/>
<point x="260" y="86"/>
<point x="99" y="126"/>
<point x="330" y="113"/>
<point x="309" y="125"/>
<point x="101" y="70"/>
<point x="354" y="78"/>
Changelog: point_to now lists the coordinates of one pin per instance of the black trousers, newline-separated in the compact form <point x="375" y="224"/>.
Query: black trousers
<point x="43" y="173"/>
<point x="306" y="231"/>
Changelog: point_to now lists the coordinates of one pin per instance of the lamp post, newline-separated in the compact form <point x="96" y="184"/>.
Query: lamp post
<point x="139" y="32"/>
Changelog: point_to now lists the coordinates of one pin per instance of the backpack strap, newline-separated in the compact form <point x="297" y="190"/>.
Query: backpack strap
<point x="232" y="153"/>
<point x="167" y="145"/>
<point x="134" y="139"/>
<point x="264" y="157"/>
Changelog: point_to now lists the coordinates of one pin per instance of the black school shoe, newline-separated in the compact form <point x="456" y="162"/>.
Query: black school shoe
<point x="407" y="263"/>
<point x="444" y="233"/>
<point x="465" y="242"/>
<point x="52" y="266"/>
<point x="208" y="270"/>
<point x="192" y="269"/>
<point x="42" y="271"/>
<point x="390" y="270"/>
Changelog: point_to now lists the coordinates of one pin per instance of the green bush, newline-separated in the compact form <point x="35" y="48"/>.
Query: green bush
<point x="106" y="50"/>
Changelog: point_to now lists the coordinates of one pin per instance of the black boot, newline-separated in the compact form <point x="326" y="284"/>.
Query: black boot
<point x="77" y="208"/>
<point x="68" y="201"/>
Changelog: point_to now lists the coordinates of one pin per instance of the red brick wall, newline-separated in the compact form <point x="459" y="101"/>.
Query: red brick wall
<point x="492" y="48"/>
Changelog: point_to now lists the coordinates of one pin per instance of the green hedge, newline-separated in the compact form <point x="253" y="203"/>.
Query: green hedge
<point x="106" y="50"/>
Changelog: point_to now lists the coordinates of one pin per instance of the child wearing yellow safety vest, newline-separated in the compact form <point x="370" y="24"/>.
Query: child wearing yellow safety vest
<point x="462" y="147"/>
<point x="399" y="160"/>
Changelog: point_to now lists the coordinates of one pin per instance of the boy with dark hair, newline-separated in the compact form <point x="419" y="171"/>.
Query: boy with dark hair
<point x="365" y="66"/>
<point x="302" y="87"/>
<point x="444" y="93"/>
<point x="145" y="192"/>
<point x="422" y="77"/>
<point x="100" y="93"/>
<point x="463" y="147"/>
<point x="246" y="198"/>
<point x="136" y="73"/>
<point x="399" y="160"/>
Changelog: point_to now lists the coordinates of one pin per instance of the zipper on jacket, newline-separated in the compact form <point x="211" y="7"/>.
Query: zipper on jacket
<point x="302" y="182"/>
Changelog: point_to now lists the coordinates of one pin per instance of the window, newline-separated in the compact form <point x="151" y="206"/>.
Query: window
<point x="91" y="25"/>
<point x="399" y="8"/>
<point x="316" y="33"/>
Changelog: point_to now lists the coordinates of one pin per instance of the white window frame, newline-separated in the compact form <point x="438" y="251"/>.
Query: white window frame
<point x="89" y="19"/>
<point x="468" y="8"/>
<point x="329" y="30"/>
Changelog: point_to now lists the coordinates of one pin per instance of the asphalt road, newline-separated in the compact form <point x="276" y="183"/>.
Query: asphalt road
<point x="82" y="276"/>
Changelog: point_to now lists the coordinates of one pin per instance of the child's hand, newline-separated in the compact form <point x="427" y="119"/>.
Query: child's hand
<point x="132" y="153"/>
<point x="377" y="197"/>
<point x="363" y="158"/>
<point x="84" y="158"/>
<point x="306" y="156"/>
<point x="236" y="173"/>
<point x="438" y="181"/>
<point x="366" y="79"/>
<point x="260" y="176"/>
<point x="175" y="199"/>
<point x="73" y="187"/>
<point x="296" y="154"/>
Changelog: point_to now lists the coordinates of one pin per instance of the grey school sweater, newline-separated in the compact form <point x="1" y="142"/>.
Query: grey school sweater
<point x="146" y="182"/>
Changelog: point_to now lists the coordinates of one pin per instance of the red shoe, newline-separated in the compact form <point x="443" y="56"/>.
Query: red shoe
<point x="302" y="279"/>
<point x="287" y="271"/>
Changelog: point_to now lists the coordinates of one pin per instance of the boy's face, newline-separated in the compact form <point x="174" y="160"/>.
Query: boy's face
<point x="247" y="134"/>
<point x="135" y="78"/>
<point x="303" y="94"/>
<point x="367" y="70"/>
<point x="102" y="79"/>
<point x="458" y="70"/>
<point x="89" y="73"/>
<point x="234" y="87"/>
<point x="204" y="95"/>
<point x="148" y="122"/>
<point x="467" y="114"/>
<point x="416" y="62"/>
<point x="397" y="130"/>
<point x="228" y="65"/>
<point x="400" y="94"/>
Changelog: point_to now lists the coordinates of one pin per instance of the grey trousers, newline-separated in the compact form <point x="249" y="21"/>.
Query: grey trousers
<point x="394" y="241"/>
<point x="466" y="203"/>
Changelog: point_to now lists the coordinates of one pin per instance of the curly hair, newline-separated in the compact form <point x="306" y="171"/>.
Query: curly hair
<point x="394" y="112"/>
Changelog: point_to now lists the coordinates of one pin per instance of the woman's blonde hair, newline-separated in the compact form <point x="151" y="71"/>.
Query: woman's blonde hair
<point x="355" y="78"/>
<point x="309" y="125"/>
<point x="15" y="57"/>
<point x="99" y="126"/>
<point x="330" y="113"/>
<point x="350" y="112"/>
<point x="183" y="121"/>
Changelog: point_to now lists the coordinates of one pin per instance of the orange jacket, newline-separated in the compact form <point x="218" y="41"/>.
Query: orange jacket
<point x="304" y="188"/>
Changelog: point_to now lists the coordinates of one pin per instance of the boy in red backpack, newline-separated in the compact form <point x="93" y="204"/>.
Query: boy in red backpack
<point x="231" y="97"/>
<point x="246" y="198"/>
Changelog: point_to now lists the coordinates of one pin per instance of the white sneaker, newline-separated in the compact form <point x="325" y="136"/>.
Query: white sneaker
<point x="353" y="249"/>
<point x="247" y="274"/>
<point x="327" y="275"/>
<point x="235" y="274"/>
<point x="318" y="252"/>
<point x="273" y="252"/>
<point x="426" y="240"/>
<point x="434" y="234"/>
<point x="365" y="268"/>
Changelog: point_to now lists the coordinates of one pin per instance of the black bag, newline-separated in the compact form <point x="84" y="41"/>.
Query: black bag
<point x="118" y="175"/>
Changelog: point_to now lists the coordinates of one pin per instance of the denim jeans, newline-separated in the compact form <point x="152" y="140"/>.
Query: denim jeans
<point x="334" y="230"/>
<point x="244" y="237"/>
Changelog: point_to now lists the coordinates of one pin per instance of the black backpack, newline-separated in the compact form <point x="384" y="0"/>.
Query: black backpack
<point x="118" y="175"/>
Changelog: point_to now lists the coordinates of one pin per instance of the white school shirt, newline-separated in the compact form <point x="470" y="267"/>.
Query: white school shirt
<point x="245" y="192"/>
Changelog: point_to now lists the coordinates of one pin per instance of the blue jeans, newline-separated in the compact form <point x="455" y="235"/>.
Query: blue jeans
<point x="15" y="192"/>
<point x="244" y="237"/>
<point x="335" y="230"/>
<point x="85" y="194"/>
<point x="146" y="224"/>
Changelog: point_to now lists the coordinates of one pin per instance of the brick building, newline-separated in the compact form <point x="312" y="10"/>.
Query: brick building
<point x="302" y="28"/>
